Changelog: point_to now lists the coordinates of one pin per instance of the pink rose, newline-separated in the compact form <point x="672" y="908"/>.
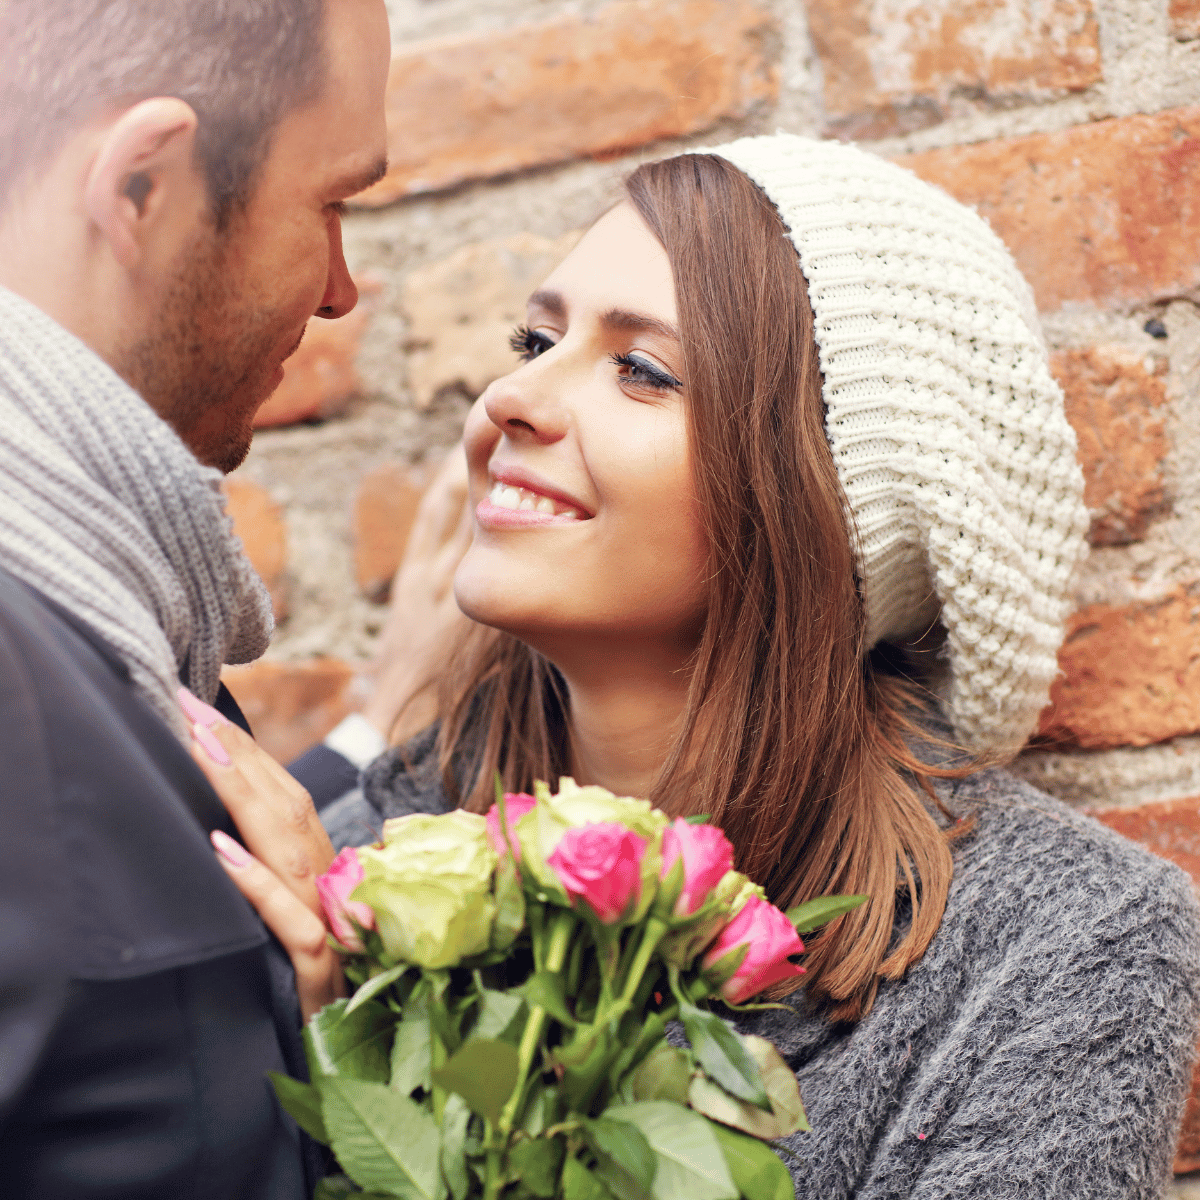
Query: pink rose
<point x="334" y="887"/>
<point x="707" y="857"/>
<point x="771" y="938"/>
<point x="516" y="805"/>
<point x="602" y="864"/>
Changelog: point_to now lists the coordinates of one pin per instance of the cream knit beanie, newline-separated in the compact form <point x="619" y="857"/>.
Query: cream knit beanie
<point x="946" y="426"/>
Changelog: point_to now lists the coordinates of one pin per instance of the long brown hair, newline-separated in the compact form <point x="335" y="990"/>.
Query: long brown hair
<point x="793" y="738"/>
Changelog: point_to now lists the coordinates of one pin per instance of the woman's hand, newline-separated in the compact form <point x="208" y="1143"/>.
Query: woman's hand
<point x="424" y="619"/>
<point x="288" y="848"/>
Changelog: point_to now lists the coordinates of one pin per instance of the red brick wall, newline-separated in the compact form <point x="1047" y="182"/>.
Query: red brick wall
<point x="1073" y="126"/>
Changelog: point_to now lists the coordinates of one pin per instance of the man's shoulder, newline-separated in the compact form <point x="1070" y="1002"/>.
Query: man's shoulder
<point x="99" y="793"/>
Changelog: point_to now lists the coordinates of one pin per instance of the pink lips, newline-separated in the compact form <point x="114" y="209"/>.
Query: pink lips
<point x="506" y="480"/>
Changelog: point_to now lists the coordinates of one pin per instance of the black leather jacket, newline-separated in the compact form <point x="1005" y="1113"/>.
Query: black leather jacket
<point x="141" y="999"/>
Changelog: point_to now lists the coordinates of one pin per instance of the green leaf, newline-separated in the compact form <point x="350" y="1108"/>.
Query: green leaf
<point x="626" y="1162"/>
<point x="510" y="904"/>
<point x="338" y="1187"/>
<point x="483" y="1072"/>
<point x="757" y="1170"/>
<point x="787" y="1111"/>
<point x="303" y="1102"/>
<point x="544" y="989"/>
<point x="690" y="1163"/>
<point x="335" y="1187"/>
<point x="723" y="1055"/>
<point x="455" y="1119"/>
<point x="537" y="1165"/>
<point x="698" y="819"/>
<point x="663" y="1075"/>
<point x="356" y="1045"/>
<point x="499" y="1016"/>
<point x="412" y="1051"/>
<point x="382" y="1140"/>
<point x="376" y="984"/>
<point x="581" y="1184"/>
<point x="812" y="914"/>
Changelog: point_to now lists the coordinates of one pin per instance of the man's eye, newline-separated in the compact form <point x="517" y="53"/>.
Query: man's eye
<point x="528" y="343"/>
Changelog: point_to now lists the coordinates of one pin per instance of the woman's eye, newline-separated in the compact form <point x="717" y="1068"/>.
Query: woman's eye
<point x="529" y="343"/>
<point x="645" y="374"/>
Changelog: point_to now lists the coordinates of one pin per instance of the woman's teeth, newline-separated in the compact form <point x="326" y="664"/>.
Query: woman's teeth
<point x="504" y="495"/>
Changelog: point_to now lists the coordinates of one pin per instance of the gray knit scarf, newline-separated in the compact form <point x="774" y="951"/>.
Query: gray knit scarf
<point x="107" y="512"/>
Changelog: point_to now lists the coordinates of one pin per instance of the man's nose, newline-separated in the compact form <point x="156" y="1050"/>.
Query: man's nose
<point x="341" y="292"/>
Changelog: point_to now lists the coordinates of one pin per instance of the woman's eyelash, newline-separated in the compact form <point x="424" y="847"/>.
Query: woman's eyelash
<point x="646" y="373"/>
<point x="528" y="343"/>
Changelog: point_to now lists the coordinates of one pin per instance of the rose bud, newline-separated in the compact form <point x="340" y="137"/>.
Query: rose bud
<point x="770" y="939"/>
<point x="602" y="865"/>
<point x="334" y="887"/>
<point x="707" y="857"/>
<point x="516" y="805"/>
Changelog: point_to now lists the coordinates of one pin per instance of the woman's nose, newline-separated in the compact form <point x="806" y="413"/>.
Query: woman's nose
<point x="524" y="407"/>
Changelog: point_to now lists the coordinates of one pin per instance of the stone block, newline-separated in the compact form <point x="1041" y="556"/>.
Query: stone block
<point x="1171" y="829"/>
<point x="632" y="72"/>
<point x="1105" y="214"/>
<point x="1115" y="399"/>
<point x="890" y="68"/>
<point x="1184" y="18"/>
<point x="292" y="706"/>
<point x="258" y="521"/>
<point x="320" y="379"/>
<point x="462" y="311"/>
<point x="384" y="509"/>
<point x="1130" y="675"/>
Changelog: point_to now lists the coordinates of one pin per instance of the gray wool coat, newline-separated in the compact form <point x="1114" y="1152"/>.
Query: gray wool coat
<point x="1041" y="1048"/>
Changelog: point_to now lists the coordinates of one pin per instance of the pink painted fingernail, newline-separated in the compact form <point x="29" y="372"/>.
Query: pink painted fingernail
<point x="228" y="849"/>
<point x="198" y="711"/>
<point x="212" y="747"/>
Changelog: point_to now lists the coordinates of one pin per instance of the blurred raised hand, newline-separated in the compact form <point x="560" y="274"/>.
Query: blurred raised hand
<point x="424" y="621"/>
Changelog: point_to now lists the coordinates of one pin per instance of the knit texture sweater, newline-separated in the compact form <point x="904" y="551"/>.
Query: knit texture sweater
<point x="1041" y="1048"/>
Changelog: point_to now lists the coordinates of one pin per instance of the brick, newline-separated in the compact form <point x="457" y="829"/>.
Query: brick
<point x="292" y="706"/>
<point x="258" y="521"/>
<point x="321" y="379"/>
<point x="1102" y="214"/>
<point x="384" y="509"/>
<point x="1170" y="829"/>
<point x="1184" y="18"/>
<point x="635" y="71"/>
<point x="462" y="311"/>
<point x="1130" y="675"/>
<point x="891" y="68"/>
<point x="1115" y="399"/>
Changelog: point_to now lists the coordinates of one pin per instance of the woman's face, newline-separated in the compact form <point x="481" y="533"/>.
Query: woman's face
<point x="586" y="523"/>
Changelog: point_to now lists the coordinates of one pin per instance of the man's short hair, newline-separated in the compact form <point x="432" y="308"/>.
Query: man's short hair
<point x="242" y="65"/>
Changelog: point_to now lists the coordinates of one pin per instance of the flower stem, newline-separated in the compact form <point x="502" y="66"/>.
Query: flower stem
<point x="561" y="927"/>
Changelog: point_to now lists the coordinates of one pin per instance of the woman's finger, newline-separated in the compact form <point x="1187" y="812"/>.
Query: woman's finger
<point x="319" y="976"/>
<point x="273" y="813"/>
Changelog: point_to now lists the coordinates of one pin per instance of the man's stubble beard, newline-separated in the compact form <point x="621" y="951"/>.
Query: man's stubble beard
<point x="205" y="362"/>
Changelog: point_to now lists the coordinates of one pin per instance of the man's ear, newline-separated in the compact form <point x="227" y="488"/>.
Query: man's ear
<point x="144" y="160"/>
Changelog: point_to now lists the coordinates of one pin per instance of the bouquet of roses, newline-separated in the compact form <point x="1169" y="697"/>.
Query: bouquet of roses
<point x="515" y="978"/>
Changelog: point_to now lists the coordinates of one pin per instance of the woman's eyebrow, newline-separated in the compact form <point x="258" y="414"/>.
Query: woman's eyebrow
<point x="631" y="322"/>
<point x="550" y="301"/>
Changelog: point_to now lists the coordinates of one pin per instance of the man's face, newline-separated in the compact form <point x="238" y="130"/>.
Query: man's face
<point x="214" y="347"/>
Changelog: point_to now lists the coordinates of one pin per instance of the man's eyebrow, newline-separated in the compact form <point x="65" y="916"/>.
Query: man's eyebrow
<point x="358" y="181"/>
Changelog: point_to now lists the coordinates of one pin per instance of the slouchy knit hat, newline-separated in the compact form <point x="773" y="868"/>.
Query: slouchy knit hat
<point x="946" y="426"/>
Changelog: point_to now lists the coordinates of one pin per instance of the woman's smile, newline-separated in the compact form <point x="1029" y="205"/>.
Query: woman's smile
<point x="517" y="499"/>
